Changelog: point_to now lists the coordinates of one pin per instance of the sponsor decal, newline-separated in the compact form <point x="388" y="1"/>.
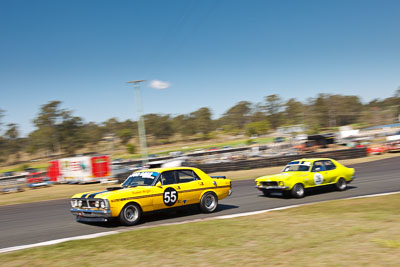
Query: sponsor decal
<point x="150" y="175"/>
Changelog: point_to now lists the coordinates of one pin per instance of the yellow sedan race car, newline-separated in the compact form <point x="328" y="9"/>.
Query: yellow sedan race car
<point x="151" y="190"/>
<point x="306" y="173"/>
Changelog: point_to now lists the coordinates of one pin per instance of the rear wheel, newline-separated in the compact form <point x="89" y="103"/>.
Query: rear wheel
<point x="208" y="202"/>
<point x="130" y="214"/>
<point x="341" y="184"/>
<point x="297" y="191"/>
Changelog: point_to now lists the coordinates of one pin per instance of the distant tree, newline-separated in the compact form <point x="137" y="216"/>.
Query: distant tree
<point x="1" y="118"/>
<point x="294" y="112"/>
<point x="273" y="106"/>
<point x="257" y="128"/>
<point x="46" y="122"/>
<point x="158" y="125"/>
<point x="130" y="148"/>
<point x="125" y="135"/>
<point x="57" y="129"/>
<point x="111" y="126"/>
<point x="93" y="133"/>
<point x="183" y="125"/>
<point x="397" y="94"/>
<point x="237" y="116"/>
<point x="70" y="132"/>
<point x="201" y="121"/>
<point x="12" y="143"/>
<point x="12" y="131"/>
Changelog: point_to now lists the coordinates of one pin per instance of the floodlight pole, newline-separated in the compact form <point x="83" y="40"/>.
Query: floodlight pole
<point x="141" y="128"/>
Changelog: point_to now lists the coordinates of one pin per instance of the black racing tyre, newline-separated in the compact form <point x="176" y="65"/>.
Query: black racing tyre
<point x="208" y="202"/>
<point x="341" y="184"/>
<point x="266" y="193"/>
<point x="297" y="191"/>
<point x="130" y="214"/>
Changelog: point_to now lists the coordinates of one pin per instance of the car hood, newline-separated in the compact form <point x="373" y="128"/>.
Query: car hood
<point x="280" y="177"/>
<point x="114" y="191"/>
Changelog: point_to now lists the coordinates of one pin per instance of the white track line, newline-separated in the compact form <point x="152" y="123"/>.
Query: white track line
<point x="57" y="241"/>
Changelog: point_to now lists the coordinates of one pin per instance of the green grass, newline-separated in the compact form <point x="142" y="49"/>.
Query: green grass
<point x="21" y="167"/>
<point x="356" y="232"/>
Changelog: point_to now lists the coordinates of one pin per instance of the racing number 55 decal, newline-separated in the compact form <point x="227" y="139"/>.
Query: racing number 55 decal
<point x="170" y="196"/>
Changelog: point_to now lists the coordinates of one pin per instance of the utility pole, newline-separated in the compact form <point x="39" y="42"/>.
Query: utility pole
<point x="141" y="128"/>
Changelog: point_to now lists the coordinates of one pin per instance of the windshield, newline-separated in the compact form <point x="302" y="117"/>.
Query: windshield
<point x="140" y="178"/>
<point x="296" y="168"/>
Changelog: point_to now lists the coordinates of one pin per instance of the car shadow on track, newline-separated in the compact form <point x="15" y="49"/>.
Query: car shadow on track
<point x="309" y="192"/>
<point x="160" y="216"/>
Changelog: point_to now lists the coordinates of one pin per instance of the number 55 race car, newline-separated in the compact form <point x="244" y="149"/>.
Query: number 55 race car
<point x="306" y="173"/>
<point x="151" y="190"/>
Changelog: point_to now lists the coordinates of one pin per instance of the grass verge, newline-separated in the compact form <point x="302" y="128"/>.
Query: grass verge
<point x="354" y="232"/>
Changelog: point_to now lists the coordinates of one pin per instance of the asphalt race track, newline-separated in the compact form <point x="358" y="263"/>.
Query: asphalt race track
<point x="30" y="223"/>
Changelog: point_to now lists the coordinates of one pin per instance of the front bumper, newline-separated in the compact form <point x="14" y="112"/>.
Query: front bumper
<point x="88" y="213"/>
<point x="272" y="187"/>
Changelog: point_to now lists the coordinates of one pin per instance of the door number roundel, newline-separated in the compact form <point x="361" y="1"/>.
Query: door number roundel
<point x="318" y="178"/>
<point x="170" y="196"/>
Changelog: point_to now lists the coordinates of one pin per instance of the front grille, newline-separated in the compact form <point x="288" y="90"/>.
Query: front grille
<point x="269" y="183"/>
<point x="87" y="203"/>
<point x="84" y="203"/>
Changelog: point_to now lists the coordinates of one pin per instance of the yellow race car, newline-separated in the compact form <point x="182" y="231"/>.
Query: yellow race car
<point x="301" y="174"/>
<point x="151" y="190"/>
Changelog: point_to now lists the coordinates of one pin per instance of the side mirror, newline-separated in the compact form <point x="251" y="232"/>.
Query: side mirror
<point x="318" y="169"/>
<point x="158" y="184"/>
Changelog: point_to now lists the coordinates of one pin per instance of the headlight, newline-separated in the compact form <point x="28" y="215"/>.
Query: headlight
<point x="97" y="204"/>
<point x="281" y="183"/>
<point x="80" y="203"/>
<point x="74" y="202"/>
<point x="102" y="204"/>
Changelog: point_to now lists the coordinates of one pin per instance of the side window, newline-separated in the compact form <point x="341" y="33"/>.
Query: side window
<point x="168" y="177"/>
<point x="329" y="165"/>
<point x="318" y="164"/>
<point x="186" y="176"/>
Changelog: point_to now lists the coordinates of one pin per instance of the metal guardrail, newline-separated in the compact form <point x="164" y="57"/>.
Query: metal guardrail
<point x="280" y="161"/>
<point x="12" y="183"/>
<point x="193" y="154"/>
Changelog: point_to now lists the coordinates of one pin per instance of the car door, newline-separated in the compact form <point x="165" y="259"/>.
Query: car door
<point x="168" y="194"/>
<point x="191" y="185"/>
<point x="331" y="171"/>
<point x="318" y="173"/>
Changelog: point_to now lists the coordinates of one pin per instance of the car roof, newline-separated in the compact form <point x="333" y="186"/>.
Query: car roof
<point x="166" y="169"/>
<point x="311" y="159"/>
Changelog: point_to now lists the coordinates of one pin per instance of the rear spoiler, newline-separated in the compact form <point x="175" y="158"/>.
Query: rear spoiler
<point x="218" y="177"/>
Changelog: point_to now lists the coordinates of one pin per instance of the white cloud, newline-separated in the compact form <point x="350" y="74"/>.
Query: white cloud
<point x="156" y="84"/>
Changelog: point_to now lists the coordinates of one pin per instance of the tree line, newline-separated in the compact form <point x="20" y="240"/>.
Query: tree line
<point x="59" y="130"/>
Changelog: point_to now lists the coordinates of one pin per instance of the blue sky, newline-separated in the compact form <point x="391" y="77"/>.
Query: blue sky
<point x="214" y="54"/>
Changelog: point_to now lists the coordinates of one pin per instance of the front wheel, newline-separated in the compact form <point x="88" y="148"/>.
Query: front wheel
<point x="266" y="193"/>
<point x="208" y="202"/>
<point x="341" y="184"/>
<point x="297" y="191"/>
<point x="130" y="214"/>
